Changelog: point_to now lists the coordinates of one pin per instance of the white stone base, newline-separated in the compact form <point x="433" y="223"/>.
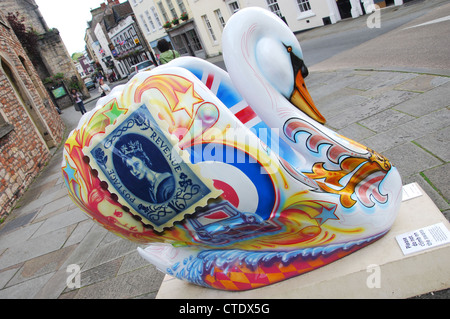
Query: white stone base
<point x="354" y="276"/>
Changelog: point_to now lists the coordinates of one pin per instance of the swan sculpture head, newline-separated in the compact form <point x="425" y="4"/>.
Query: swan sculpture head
<point x="273" y="58"/>
<point x="231" y="179"/>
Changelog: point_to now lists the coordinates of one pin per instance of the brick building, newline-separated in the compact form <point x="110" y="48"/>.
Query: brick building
<point x="29" y="123"/>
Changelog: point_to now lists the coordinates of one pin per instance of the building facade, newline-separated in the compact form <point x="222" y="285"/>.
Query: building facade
<point x="114" y="39"/>
<point x="104" y="50"/>
<point x="150" y="22"/>
<point x="29" y="122"/>
<point x="201" y="33"/>
<point x="184" y="33"/>
<point x="129" y="45"/>
<point x="172" y="20"/>
<point x="96" y="48"/>
<point x="86" y="67"/>
<point x="194" y="27"/>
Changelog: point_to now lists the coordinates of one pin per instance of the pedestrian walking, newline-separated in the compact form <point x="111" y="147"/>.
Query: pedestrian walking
<point x="166" y="55"/>
<point x="104" y="89"/>
<point x="78" y="97"/>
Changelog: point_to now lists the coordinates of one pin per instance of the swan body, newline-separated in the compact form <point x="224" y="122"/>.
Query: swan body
<point x="230" y="179"/>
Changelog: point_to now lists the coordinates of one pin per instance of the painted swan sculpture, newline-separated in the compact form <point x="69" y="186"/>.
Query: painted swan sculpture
<point x="231" y="180"/>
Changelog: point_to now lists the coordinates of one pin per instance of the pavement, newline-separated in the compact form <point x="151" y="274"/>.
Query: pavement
<point x="402" y="114"/>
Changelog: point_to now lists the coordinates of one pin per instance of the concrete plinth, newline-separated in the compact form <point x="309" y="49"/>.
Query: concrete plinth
<point x="379" y="270"/>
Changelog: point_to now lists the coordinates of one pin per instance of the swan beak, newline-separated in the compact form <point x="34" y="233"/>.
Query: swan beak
<point x="303" y="101"/>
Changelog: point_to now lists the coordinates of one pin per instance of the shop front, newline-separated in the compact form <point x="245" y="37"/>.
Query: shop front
<point x="186" y="41"/>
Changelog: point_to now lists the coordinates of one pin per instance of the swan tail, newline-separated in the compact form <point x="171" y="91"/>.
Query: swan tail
<point x="239" y="270"/>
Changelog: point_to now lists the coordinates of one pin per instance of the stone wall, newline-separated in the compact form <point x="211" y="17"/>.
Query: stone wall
<point x="27" y="9"/>
<point x="55" y="57"/>
<point x="29" y="122"/>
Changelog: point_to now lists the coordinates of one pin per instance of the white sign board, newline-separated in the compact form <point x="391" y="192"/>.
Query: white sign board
<point x="410" y="191"/>
<point x="423" y="238"/>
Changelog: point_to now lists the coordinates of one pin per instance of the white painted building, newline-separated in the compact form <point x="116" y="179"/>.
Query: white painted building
<point x="201" y="34"/>
<point x="96" y="48"/>
<point x="160" y="19"/>
<point x="79" y="69"/>
<point x="150" y="21"/>
<point x="211" y="17"/>
<point x="103" y="51"/>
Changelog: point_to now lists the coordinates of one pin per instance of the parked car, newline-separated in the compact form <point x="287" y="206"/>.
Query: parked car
<point x="222" y="223"/>
<point x="143" y="66"/>
<point x="89" y="83"/>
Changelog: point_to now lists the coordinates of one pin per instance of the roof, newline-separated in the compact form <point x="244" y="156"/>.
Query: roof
<point x="116" y="14"/>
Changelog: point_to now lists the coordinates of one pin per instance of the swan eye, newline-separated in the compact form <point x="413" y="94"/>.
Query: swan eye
<point x="289" y="49"/>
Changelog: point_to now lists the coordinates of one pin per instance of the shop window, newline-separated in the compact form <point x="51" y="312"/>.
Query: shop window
<point x="194" y="40"/>
<point x="179" y="45"/>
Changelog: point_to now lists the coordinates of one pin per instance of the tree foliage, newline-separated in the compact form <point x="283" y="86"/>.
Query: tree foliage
<point x="76" y="55"/>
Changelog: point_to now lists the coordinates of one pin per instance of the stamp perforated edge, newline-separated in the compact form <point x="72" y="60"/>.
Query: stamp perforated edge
<point x="214" y="193"/>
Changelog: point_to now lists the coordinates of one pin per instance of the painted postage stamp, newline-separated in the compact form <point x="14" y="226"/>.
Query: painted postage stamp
<point x="147" y="172"/>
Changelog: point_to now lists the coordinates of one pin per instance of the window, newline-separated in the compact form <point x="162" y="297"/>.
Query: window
<point x="209" y="27"/>
<point x="181" y="6"/>
<point x="220" y="18"/>
<point x="132" y="32"/>
<point x="156" y="16"/>
<point x="150" y="20"/>
<point x="304" y="9"/>
<point x="179" y="45"/>
<point x="273" y="7"/>
<point x="24" y="99"/>
<point x="171" y="8"/>
<point x="133" y="36"/>
<point x="303" y="5"/>
<point x="5" y="127"/>
<point x="163" y="11"/>
<point x="3" y="122"/>
<point x="194" y="40"/>
<point x="234" y="6"/>
<point x="122" y="43"/>
<point x="2" y="21"/>
<point x="144" y="23"/>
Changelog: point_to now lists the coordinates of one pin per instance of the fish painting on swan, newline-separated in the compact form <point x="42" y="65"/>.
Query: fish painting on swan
<point x="263" y="190"/>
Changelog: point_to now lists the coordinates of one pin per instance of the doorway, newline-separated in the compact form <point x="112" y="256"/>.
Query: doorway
<point x="345" y="8"/>
<point x="27" y="104"/>
<point x="187" y="42"/>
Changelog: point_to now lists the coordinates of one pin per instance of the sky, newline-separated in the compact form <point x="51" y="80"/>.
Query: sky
<point x="70" y="18"/>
